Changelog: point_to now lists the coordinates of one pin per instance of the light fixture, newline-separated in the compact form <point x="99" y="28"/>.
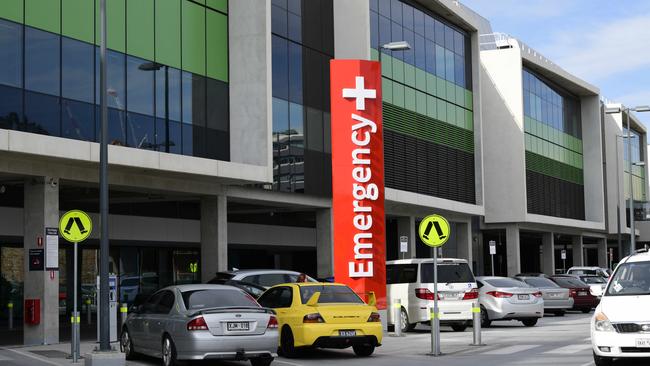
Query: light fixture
<point x="397" y="46"/>
<point x="613" y="110"/>
<point x="641" y="108"/>
<point x="639" y="163"/>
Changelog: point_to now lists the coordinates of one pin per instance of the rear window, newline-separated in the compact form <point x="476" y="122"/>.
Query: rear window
<point x="401" y="273"/>
<point x="591" y="280"/>
<point x="447" y="273"/>
<point x="224" y="276"/>
<point x="217" y="298"/>
<point x="583" y="271"/>
<point x="330" y="294"/>
<point x="505" y="282"/>
<point x="570" y="282"/>
<point x="540" y="282"/>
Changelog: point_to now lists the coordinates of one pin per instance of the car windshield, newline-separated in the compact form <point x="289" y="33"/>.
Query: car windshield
<point x="592" y="280"/>
<point x="330" y="294"/>
<point x="540" y="282"/>
<point x="505" y="282"/>
<point x="630" y="279"/>
<point x="215" y="298"/>
<point x="447" y="273"/>
<point x="569" y="282"/>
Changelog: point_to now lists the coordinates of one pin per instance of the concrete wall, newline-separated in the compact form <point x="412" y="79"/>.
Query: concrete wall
<point x="352" y="29"/>
<point x="614" y="173"/>
<point x="592" y="159"/>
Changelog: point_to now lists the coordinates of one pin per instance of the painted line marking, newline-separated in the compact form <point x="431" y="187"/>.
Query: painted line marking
<point x="32" y="356"/>
<point x="566" y="350"/>
<point x="512" y="349"/>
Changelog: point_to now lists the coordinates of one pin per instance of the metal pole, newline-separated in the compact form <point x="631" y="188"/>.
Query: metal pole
<point x="10" y="307"/>
<point x="397" y="316"/>
<point x="629" y="164"/>
<point x="618" y="204"/>
<point x="476" y="318"/>
<point x="166" y="108"/>
<point x="75" y="314"/>
<point x="435" y="317"/>
<point x="104" y="341"/>
<point x="492" y="258"/>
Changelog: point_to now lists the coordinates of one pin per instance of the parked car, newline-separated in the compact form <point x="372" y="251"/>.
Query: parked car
<point x="503" y="298"/>
<point x="556" y="299"/>
<point x="201" y="322"/>
<point x="596" y="283"/>
<point x="583" y="300"/>
<point x="621" y="323"/>
<point x="266" y="278"/>
<point x="324" y="315"/>
<point x="411" y="282"/>
<point x="531" y="274"/>
<point x="597" y="271"/>
<point x="250" y="288"/>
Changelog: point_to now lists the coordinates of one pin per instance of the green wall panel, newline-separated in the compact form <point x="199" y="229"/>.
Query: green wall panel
<point x="116" y="26"/>
<point x="77" y="19"/>
<point x="553" y="168"/>
<point x="193" y="36"/>
<point x="43" y="14"/>
<point x="217" y="45"/>
<point x="168" y="32"/>
<point x="140" y="28"/>
<point x="221" y="5"/>
<point x="12" y="10"/>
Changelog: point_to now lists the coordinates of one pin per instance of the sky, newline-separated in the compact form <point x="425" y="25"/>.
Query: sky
<point x="604" y="42"/>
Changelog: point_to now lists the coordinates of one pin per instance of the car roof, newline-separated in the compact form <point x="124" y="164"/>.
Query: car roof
<point x="639" y="256"/>
<point x="426" y="260"/>
<point x="258" y="271"/>
<point x="584" y="267"/>
<point x="199" y="286"/>
<point x="307" y="284"/>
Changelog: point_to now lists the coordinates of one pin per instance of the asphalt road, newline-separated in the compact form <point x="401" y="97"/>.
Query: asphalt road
<point x="556" y="341"/>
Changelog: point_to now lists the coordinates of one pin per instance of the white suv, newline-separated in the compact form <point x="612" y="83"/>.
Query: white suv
<point x="620" y="327"/>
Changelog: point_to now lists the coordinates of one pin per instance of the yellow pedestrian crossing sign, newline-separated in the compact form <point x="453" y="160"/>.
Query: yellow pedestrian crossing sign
<point x="75" y="226"/>
<point x="434" y="230"/>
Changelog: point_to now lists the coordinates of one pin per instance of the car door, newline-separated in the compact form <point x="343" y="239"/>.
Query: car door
<point x="280" y="300"/>
<point x="144" y="338"/>
<point x="159" y="319"/>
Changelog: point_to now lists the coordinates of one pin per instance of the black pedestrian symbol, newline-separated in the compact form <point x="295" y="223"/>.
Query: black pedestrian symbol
<point x="427" y="230"/>
<point x="71" y="221"/>
<point x="430" y="225"/>
<point x="439" y="230"/>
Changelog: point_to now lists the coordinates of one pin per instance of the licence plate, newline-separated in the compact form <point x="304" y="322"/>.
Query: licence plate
<point x="347" y="333"/>
<point x="523" y="297"/>
<point x="450" y="295"/>
<point x="237" y="326"/>
<point x="582" y="293"/>
<point x="555" y="295"/>
<point x="643" y="342"/>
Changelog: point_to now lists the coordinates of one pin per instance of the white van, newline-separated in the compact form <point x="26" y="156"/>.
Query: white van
<point x="411" y="282"/>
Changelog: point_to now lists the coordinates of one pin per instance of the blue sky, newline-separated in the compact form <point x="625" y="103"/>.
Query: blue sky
<point x="605" y="42"/>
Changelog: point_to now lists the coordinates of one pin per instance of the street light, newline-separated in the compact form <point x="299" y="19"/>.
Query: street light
<point x="394" y="46"/>
<point x="154" y="66"/>
<point x="621" y="109"/>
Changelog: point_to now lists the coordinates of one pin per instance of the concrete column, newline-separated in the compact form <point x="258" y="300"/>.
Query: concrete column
<point x="406" y="227"/>
<point x="324" y="243"/>
<point x="602" y="253"/>
<point x="214" y="236"/>
<point x="464" y="241"/>
<point x="578" y="251"/>
<point x="513" y="249"/>
<point x="548" y="253"/>
<point x="352" y="29"/>
<point x="41" y="211"/>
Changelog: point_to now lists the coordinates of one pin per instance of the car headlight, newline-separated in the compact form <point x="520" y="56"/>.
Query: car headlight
<point x="602" y="323"/>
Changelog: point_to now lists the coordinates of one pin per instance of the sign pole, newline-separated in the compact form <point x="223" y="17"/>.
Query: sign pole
<point x="75" y="314"/>
<point x="435" y="322"/>
<point x="492" y="258"/>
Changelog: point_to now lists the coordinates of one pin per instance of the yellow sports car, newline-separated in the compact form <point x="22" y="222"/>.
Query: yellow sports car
<point x="326" y="315"/>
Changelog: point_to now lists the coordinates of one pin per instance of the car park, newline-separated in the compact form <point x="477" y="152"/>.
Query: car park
<point x="410" y="281"/>
<point x="620" y="327"/>
<point x="597" y="271"/>
<point x="583" y="300"/>
<point x="503" y="298"/>
<point x="556" y="298"/>
<point x="201" y="322"/>
<point x="324" y="315"/>
<point x="263" y="277"/>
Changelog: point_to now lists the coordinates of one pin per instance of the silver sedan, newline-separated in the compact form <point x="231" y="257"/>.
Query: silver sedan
<point x="556" y="298"/>
<point x="503" y="298"/>
<point x="201" y="322"/>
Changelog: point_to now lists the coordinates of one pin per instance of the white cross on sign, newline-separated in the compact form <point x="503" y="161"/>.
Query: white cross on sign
<point x="360" y="93"/>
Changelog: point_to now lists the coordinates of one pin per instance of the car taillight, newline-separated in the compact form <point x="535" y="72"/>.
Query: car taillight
<point x="374" y="317"/>
<point x="537" y="294"/>
<point x="424" y="294"/>
<point x="197" y="324"/>
<point x="471" y="294"/>
<point x="499" y="294"/>
<point x="573" y="292"/>
<point x="273" y="323"/>
<point x="313" y="318"/>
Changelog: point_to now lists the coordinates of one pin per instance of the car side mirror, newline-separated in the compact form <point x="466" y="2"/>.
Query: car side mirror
<point x="313" y="300"/>
<point x="372" y="299"/>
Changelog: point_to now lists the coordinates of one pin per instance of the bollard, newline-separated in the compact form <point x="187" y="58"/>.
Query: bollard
<point x="476" y="317"/>
<point x="10" y="307"/>
<point x="75" y="337"/>
<point x="124" y="312"/>
<point x="397" y="317"/>
<point x="89" y="316"/>
<point x="435" y="332"/>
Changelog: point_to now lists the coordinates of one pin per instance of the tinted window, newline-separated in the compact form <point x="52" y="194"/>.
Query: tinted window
<point x="630" y="279"/>
<point x="42" y="114"/>
<point x="540" y="282"/>
<point x="594" y="279"/>
<point x="447" y="273"/>
<point x="11" y="57"/>
<point x="330" y="294"/>
<point x="279" y="297"/>
<point x="11" y="106"/>
<point x="166" y="302"/>
<point x="77" y="120"/>
<point x="569" y="282"/>
<point x="216" y="298"/>
<point x="140" y="89"/>
<point x="149" y="306"/>
<point x="271" y="279"/>
<point x="77" y="70"/>
<point x="401" y="273"/>
<point x="42" y="61"/>
<point x="505" y="282"/>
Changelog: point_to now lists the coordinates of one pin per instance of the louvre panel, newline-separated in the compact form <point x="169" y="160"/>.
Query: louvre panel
<point x="553" y="168"/>
<point x="419" y="166"/>
<point x="551" y="196"/>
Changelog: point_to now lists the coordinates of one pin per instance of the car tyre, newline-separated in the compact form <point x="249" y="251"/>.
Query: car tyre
<point x="459" y="327"/>
<point x="169" y="352"/>
<point x="261" y="361"/>
<point x="603" y="361"/>
<point x="586" y="310"/>
<point x="126" y="345"/>
<point x="529" y="322"/>
<point x="363" y="350"/>
<point x="485" y="319"/>
<point x="287" y="343"/>
<point x="404" y="320"/>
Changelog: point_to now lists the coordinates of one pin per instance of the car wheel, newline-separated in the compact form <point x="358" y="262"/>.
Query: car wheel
<point x="459" y="327"/>
<point x="287" y="343"/>
<point x="485" y="319"/>
<point x="560" y="313"/>
<point x="529" y="322"/>
<point x="603" y="361"/>
<point x="586" y="310"/>
<point x="169" y="352"/>
<point x="404" y="319"/>
<point x="126" y="345"/>
<point x="363" y="350"/>
<point x="261" y="361"/>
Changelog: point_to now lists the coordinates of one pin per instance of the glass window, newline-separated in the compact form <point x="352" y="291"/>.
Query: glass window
<point x="407" y="14"/>
<point x="420" y="52"/>
<point x="280" y="68"/>
<point x="279" y="297"/>
<point x="115" y="74"/>
<point x="330" y="294"/>
<point x="374" y="30"/>
<point x="396" y="10"/>
<point x="213" y="298"/>
<point x="11" y="57"/>
<point x="116" y="126"/>
<point x="173" y="77"/>
<point x="449" y="66"/>
<point x="42" y="114"/>
<point x="401" y="273"/>
<point x="11" y="107"/>
<point x="42" y="61"/>
<point x="271" y="279"/>
<point x="418" y="22"/>
<point x="439" y="33"/>
<point x="193" y="90"/>
<point x="140" y="89"/>
<point x="166" y="303"/>
<point x="630" y="279"/>
<point x="279" y="21"/>
<point x="141" y="131"/>
<point x="452" y="273"/>
<point x="77" y="71"/>
<point x="540" y="282"/>
<point x="217" y="113"/>
<point x="295" y="27"/>
<point x="409" y="55"/>
<point x="77" y="120"/>
<point x="505" y="282"/>
<point x="384" y="8"/>
<point x="384" y="31"/>
<point x="295" y="73"/>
